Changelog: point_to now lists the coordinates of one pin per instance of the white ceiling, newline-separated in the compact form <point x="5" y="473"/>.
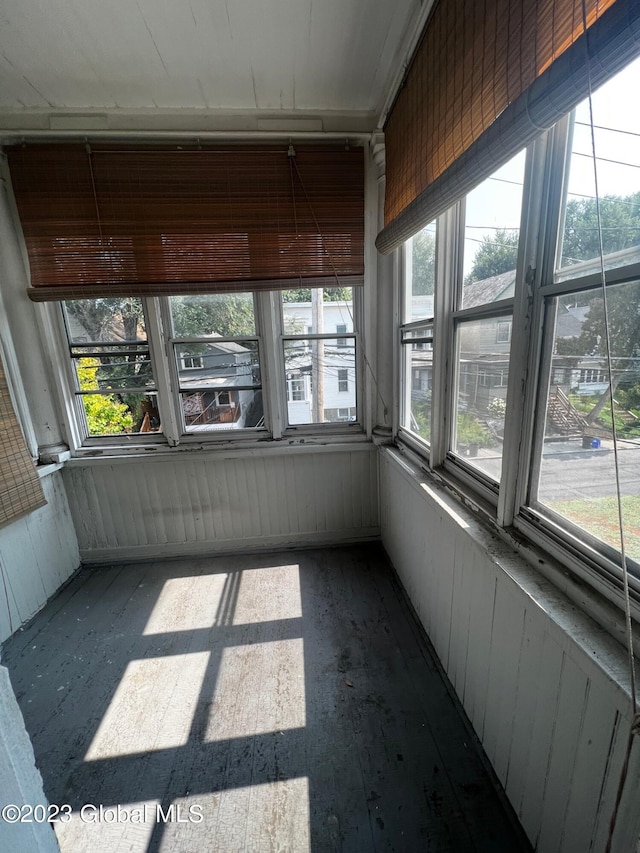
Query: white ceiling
<point x="200" y="63"/>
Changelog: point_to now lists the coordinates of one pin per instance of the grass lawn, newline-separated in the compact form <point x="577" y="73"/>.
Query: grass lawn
<point x="599" y="516"/>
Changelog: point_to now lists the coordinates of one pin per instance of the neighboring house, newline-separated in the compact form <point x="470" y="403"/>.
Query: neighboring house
<point x="213" y="381"/>
<point x="337" y="357"/>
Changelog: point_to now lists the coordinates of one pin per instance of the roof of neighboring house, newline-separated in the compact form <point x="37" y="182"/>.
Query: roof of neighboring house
<point x="489" y="289"/>
<point x="570" y="320"/>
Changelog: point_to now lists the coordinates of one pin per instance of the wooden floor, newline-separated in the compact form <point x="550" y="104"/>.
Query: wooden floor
<point x="286" y="702"/>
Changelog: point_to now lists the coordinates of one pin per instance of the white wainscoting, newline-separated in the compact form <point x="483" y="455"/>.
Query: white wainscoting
<point x="38" y="553"/>
<point x="539" y="681"/>
<point x="200" y="502"/>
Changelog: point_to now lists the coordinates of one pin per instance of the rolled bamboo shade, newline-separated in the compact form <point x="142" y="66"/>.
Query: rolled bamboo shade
<point x="486" y="79"/>
<point x="116" y="220"/>
<point x="20" y="489"/>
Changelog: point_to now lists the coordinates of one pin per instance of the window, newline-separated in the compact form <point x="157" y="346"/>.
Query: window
<point x="519" y="311"/>
<point x="325" y="363"/>
<point x="113" y="377"/>
<point x="124" y="390"/>
<point x="417" y="333"/>
<point x="192" y="362"/>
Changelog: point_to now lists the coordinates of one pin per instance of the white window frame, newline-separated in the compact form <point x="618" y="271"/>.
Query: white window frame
<point x="269" y="335"/>
<point x="506" y="504"/>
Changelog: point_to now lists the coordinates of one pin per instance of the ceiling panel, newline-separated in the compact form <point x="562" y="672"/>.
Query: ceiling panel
<point x="205" y="55"/>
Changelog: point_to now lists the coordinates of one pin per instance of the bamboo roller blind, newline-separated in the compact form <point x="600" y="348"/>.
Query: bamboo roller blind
<point x="113" y="220"/>
<point x="20" y="489"/>
<point x="475" y="60"/>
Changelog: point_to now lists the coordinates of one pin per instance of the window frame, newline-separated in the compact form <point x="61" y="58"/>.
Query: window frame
<point x="269" y="334"/>
<point x="506" y="505"/>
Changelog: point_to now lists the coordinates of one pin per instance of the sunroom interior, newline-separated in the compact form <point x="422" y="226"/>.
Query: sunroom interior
<point x="311" y="320"/>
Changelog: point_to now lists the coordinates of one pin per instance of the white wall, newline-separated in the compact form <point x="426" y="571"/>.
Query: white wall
<point x="198" y="502"/>
<point x="20" y="781"/>
<point x="38" y="552"/>
<point x="542" y="685"/>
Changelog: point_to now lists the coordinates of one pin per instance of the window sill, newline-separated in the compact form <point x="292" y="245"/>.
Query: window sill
<point x="225" y="450"/>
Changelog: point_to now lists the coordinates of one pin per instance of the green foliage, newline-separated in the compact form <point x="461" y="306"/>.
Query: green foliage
<point x="421" y="417"/>
<point x="423" y="264"/>
<point x="497" y="253"/>
<point x="105" y="414"/>
<point x="469" y="430"/>
<point x="331" y="294"/>
<point x="228" y="315"/>
<point x="620" y="220"/>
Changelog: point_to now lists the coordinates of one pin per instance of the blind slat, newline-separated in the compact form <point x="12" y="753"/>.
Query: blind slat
<point x="142" y="219"/>
<point x="524" y="66"/>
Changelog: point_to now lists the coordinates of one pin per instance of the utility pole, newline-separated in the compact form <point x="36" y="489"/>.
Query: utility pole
<point x="317" y="355"/>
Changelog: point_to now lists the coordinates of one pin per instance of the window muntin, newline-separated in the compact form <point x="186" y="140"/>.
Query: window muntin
<point x="113" y="379"/>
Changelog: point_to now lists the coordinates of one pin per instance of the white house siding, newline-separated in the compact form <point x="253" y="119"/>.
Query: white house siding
<point x="539" y="682"/>
<point x="223" y="502"/>
<point x="38" y="552"/>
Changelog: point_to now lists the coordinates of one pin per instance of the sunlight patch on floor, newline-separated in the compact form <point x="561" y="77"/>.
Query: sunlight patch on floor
<point x="152" y="707"/>
<point x="186" y="604"/>
<point x="92" y="829"/>
<point x="260" y="689"/>
<point x="269" y="594"/>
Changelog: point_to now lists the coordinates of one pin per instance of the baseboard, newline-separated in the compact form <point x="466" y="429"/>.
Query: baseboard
<point x="220" y="547"/>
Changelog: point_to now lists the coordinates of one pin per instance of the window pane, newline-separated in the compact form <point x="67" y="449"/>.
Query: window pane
<point x="577" y="474"/>
<point x="230" y="408"/>
<point x="121" y="414"/>
<point x="420" y="261"/>
<point x="111" y="360"/>
<point x="321" y="378"/>
<point x="224" y="315"/>
<point x="222" y="364"/>
<point x="483" y="372"/>
<point x="616" y="132"/>
<point x="492" y="229"/>
<point x="418" y="370"/>
<point x="313" y="312"/>
<point x="114" y="320"/>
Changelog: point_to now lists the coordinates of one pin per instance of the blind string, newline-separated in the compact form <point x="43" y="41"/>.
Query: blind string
<point x="292" y="160"/>
<point x="635" y="722"/>
<point x="95" y="194"/>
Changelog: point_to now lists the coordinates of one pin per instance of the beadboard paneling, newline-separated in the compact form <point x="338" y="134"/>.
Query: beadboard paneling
<point x="38" y="552"/>
<point x="539" y="682"/>
<point x="207" y="503"/>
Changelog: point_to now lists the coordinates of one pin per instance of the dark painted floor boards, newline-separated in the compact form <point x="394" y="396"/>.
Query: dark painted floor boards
<point x="287" y="702"/>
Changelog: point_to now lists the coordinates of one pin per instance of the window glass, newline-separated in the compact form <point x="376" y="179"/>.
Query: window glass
<point x="418" y="371"/>
<point x="480" y="403"/>
<point x="420" y="260"/>
<point x="318" y="311"/>
<point x="577" y="475"/>
<point x="617" y="156"/>
<point x="225" y="315"/>
<point x="491" y="234"/>
<point x="110" y="354"/>
<point x="219" y="379"/>
<point x="326" y="372"/>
